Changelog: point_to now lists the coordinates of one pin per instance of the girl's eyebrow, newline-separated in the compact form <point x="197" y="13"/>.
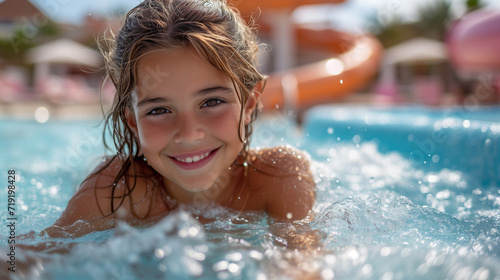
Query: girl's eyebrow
<point x="210" y="90"/>
<point x="146" y="101"/>
<point x="206" y="91"/>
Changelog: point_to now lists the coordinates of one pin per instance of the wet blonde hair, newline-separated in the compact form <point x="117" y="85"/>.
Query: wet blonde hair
<point x="213" y="28"/>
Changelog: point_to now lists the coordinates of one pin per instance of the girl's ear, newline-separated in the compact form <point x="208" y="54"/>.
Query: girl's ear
<point x="131" y="122"/>
<point x="252" y="104"/>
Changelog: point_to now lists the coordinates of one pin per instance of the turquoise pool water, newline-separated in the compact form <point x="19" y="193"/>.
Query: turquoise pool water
<point x="402" y="193"/>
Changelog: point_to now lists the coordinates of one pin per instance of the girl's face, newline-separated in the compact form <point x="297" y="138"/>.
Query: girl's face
<point x="186" y="115"/>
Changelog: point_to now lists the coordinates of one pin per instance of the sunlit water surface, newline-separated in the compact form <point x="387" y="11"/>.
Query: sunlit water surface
<point x="395" y="200"/>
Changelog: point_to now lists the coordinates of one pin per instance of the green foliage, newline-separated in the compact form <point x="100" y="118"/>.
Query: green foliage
<point x="49" y="29"/>
<point x="394" y="32"/>
<point x="13" y="47"/>
<point x="432" y="22"/>
<point x="433" y="19"/>
<point x="474" y="4"/>
<point x="24" y="36"/>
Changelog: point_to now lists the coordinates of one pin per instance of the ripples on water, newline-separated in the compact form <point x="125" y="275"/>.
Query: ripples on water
<point x="377" y="216"/>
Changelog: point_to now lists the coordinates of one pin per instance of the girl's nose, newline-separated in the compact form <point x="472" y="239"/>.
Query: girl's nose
<point x="188" y="129"/>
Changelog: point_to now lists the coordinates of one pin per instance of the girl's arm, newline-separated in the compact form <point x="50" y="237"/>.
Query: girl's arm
<point x="89" y="209"/>
<point x="81" y="216"/>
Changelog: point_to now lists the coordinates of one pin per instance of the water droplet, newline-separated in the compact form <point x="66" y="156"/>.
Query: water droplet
<point x="159" y="253"/>
<point x="443" y="194"/>
<point x="435" y="158"/>
<point x="477" y="191"/>
<point x="432" y="178"/>
<point x="367" y="270"/>
<point x="356" y="139"/>
<point x="327" y="274"/>
<point x="386" y="251"/>
<point x="234" y="257"/>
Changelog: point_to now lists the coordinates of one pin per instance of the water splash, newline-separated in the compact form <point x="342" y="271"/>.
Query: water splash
<point x="377" y="216"/>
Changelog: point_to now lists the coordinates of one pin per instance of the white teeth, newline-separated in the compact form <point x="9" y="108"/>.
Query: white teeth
<point x="193" y="159"/>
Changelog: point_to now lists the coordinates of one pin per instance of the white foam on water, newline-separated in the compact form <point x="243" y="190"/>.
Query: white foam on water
<point x="377" y="217"/>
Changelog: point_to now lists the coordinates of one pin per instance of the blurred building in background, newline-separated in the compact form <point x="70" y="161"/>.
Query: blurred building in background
<point x="44" y="60"/>
<point x="309" y="62"/>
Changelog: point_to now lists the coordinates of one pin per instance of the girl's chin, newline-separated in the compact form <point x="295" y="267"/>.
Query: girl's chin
<point x="210" y="189"/>
<point x="199" y="189"/>
<point x="204" y="187"/>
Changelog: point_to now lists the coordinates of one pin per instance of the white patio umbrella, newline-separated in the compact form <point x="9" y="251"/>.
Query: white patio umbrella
<point x="413" y="51"/>
<point x="64" y="51"/>
<point x="417" y="50"/>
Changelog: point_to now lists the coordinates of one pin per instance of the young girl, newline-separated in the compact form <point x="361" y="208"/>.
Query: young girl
<point x="187" y="94"/>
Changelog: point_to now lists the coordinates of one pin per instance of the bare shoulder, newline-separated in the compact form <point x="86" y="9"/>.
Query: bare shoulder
<point x="284" y="174"/>
<point x="97" y="198"/>
<point x="282" y="161"/>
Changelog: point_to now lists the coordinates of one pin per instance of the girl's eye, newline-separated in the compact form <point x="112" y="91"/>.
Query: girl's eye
<point x="212" y="102"/>
<point x="158" y="111"/>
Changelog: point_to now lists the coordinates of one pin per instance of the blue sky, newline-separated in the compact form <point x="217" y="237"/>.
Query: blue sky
<point x="351" y="14"/>
<point x="75" y="11"/>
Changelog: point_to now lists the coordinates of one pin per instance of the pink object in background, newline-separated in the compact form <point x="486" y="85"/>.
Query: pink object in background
<point x="474" y="43"/>
<point x="496" y="84"/>
<point x="428" y="90"/>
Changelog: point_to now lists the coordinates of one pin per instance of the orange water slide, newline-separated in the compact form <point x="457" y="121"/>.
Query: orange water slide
<point x="249" y="7"/>
<point x="354" y="62"/>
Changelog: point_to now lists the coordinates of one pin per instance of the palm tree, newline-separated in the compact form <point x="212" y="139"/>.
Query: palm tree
<point x="473" y="5"/>
<point x="433" y="19"/>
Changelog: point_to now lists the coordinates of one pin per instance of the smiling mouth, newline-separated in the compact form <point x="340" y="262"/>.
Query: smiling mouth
<point x="194" y="161"/>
